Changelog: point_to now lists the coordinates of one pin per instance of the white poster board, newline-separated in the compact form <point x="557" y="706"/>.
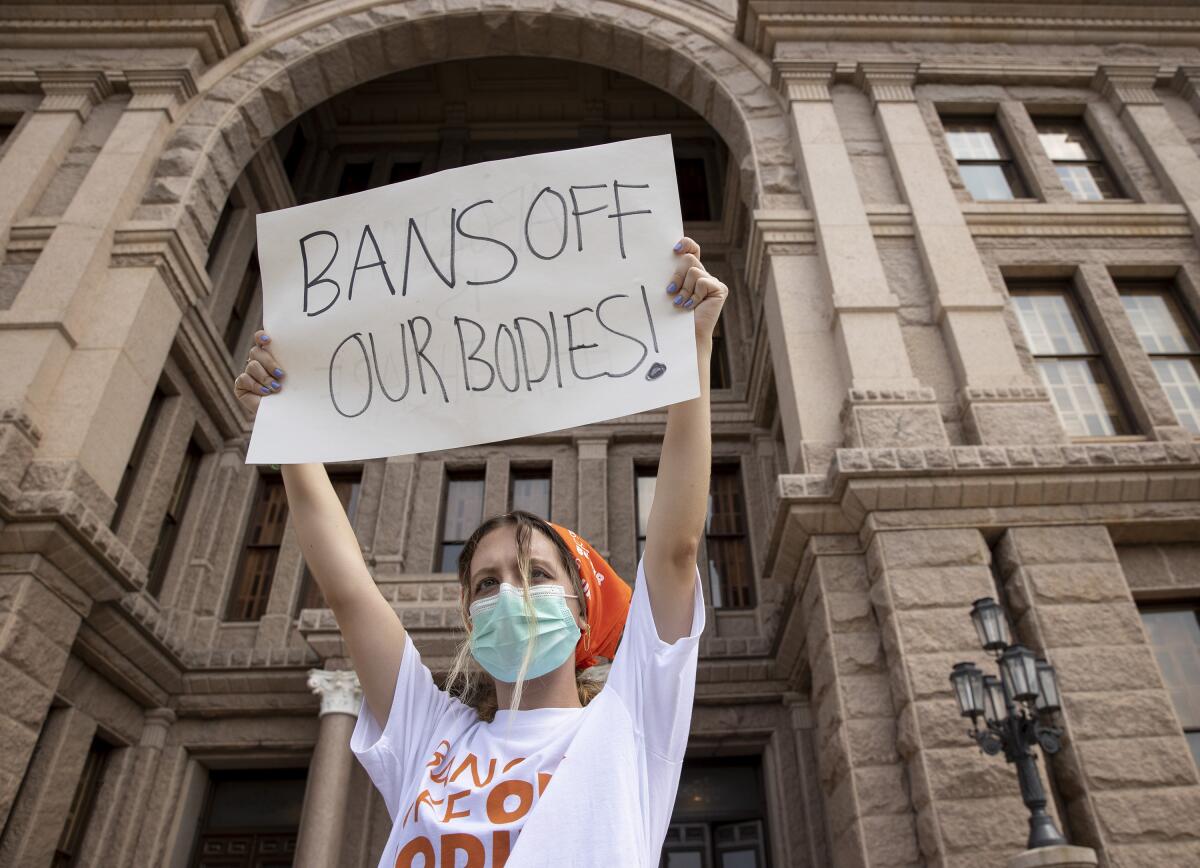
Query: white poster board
<point x="477" y="304"/>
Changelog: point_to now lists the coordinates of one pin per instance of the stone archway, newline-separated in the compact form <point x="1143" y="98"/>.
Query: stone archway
<point x="277" y="81"/>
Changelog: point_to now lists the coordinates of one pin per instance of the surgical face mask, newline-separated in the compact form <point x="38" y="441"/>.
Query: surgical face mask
<point x="502" y="631"/>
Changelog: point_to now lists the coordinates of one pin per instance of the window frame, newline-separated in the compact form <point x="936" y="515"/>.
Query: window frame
<point x="1094" y="155"/>
<point x="1168" y="289"/>
<point x="517" y="474"/>
<point x="129" y="477"/>
<point x="309" y="595"/>
<point x="474" y="474"/>
<point x="1169" y="605"/>
<point x="173" y="517"/>
<point x="83" y="803"/>
<point x="265" y="483"/>
<point x="1123" y="425"/>
<point x="1018" y="188"/>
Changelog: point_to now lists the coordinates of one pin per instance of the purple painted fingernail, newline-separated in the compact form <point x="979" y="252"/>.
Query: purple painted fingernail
<point x="689" y="302"/>
<point x="278" y="372"/>
<point x="678" y="246"/>
<point x="264" y="390"/>
<point x="274" y="385"/>
<point x="679" y="299"/>
<point x="265" y="338"/>
<point x="671" y="289"/>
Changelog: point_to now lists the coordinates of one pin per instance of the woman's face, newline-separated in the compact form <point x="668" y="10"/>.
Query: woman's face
<point x="495" y="563"/>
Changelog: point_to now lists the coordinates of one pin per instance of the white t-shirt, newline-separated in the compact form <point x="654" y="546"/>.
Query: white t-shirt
<point x="585" y="787"/>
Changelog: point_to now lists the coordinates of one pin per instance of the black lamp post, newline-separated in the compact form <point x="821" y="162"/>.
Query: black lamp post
<point x="1010" y="707"/>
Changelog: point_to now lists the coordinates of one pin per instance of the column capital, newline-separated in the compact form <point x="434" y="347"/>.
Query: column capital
<point x="592" y="447"/>
<point x="77" y="91"/>
<point x="887" y="80"/>
<point x="803" y="80"/>
<point x="1186" y="83"/>
<point x="154" y="727"/>
<point x="160" y="89"/>
<point x="1125" y="84"/>
<point x="339" y="690"/>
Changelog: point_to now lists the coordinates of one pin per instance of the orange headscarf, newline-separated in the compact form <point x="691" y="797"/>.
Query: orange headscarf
<point x="608" y="601"/>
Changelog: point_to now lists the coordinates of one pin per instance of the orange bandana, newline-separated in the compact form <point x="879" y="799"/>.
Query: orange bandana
<point x="608" y="601"/>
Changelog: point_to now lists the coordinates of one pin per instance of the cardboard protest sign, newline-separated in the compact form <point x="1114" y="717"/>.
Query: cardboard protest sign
<point x="477" y="304"/>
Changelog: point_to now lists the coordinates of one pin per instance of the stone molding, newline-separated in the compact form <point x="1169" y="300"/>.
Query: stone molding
<point x="21" y="420"/>
<point x="154" y="730"/>
<point x="162" y="90"/>
<point x="777" y="232"/>
<point x="339" y="690"/>
<point x="1127" y="84"/>
<point x="73" y="91"/>
<point x="887" y="81"/>
<point x="1186" y="83"/>
<point x="214" y="37"/>
<point x="1002" y="394"/>
<point x="803" y="80"/>
<point x="1064" y="856"/>
<point x="140" y="245"/>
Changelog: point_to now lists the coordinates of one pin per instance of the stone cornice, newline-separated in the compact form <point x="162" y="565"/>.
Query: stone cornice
<point x="1127" y="84"/>
<point x="211" y="29"/>
<point x="803" y="80"/>
<point x="138" y="245"/>
<point x="73" y="91"/>
<point x="776" y="232"/>
<point x="165" y="90"/>
<point x="888" y="81"/>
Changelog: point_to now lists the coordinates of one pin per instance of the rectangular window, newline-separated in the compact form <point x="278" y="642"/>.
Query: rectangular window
<point x="462" y="512"/>
<point x="348" y="486"/>
<point x="129" y="476"/>
<point x="242" y="305"/>
<point x="692" y="175"/>
<point x="355" y="177"/>
<point x="1174" y="633"/>
<point x="984" y="159"/>
<point x="404" y="171"/>
<point x="724" y="556"/>
<point x="1070" y="365"/>
<point x="718" y="376"/>
<point x="1080" y="167"/>
<point x="251" y="818"/>
<point x="168" y="531"/>
<point x="1170" y="340"/>
<point x="530" y="490"/>
<point x="719" y="816"/>
<point x="66" y="853"/>
<point x="252" y="585"/>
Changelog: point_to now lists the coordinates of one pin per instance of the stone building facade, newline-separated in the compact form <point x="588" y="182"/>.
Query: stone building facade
<point x="960" y="362"/>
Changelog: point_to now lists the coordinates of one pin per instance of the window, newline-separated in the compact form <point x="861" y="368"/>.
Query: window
<point x="250" y="819"/>
<point x="129" y="476"/>
<point x="252" y="585"/>
<point x="1076" y="158"/>
<point x="462" y="512"/>
<point x="6" y="131"/>
<point x="1170" y="341"/>
<point x="355" y="177"/>
<point x="724" y="552"/>
<point x="984" y="159"/>
<point x="404" y="171"/>
<point x="1070" y="365"/>
<point x="295" y="153"/>
<point x="241" y="306"/>
<point x="530" y="490"/>
<point x="692" y="174"/>
<point x="67" y="852"/>
<point x="168" y="531"/>
<point x="348" y="486"/>
<point x="718" y="817"/>
<point x="219" y="233"/>
<point x="1174" y="633"/>
<point x="718" y="371"/>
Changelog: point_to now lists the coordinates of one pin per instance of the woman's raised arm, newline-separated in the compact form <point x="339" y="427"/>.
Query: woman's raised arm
<point x="371" y="628"/>
<point x="680" y="507"/>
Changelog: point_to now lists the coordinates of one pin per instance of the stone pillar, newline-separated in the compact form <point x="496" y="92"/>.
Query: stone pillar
<point x="969" y="809"/>
<point x="324" y="812"/>
<point x="123" y="800"/>
<point x="887" y="405"/>
<point x="810" y="814"/>
<point x="33" y="157"/>
<point x="1130" y="89"/>
<point x="1125" y="771"/>
<point x="37" y="631"/>
<point x="592" y="521"/>
<point x="81" y="338"/>
<point x="866" y="797"/>
<point x="999" y="403"/>
<point x="36" y="822"/>
<point x="393" y="519"/>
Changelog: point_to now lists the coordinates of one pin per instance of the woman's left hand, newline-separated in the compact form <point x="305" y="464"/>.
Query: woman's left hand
<point x="693" y="288"/>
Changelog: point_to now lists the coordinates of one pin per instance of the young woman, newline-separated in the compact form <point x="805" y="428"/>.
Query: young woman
<point x="466" y="772"/>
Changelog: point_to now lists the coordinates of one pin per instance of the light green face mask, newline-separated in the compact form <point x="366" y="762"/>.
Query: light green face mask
<point x="502" y="631"/>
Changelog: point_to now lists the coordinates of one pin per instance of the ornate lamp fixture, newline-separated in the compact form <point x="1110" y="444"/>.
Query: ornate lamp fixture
<point x="1013" y="708"/>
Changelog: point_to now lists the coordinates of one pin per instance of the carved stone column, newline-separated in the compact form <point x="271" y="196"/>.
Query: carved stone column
<point x="323" y="816"/>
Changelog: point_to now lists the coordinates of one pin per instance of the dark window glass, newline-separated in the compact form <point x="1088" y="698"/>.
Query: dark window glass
<point x="462" y="512"/>
<point x="252" y="585"/>
<point x="348" y="487"/>
<point x="218" y="236"/>
<point x="129" y="476"/>
<point x="724" y="552"/>
<point x="295" y="153"/>
<point x="984" y="160"/>
<point x="1169" y="338"/>
<point x="1070" y="364"/>
<point x="719" y="376"/>
<point x="242" y="305"/>
<point x="692" y="173"/>
<point x="719" y="816"/>
<point x="356" y="177"/>
<point x="1076" y="158"/>
<point x="83" y="801"/>
<point x="6" y="131"/>
<point x="169" y="529"/>
<point x="1174" y="633"/>
<point x="250" y="819"/>
<point x="530" y="490"/>
<point x="404" y="172"/>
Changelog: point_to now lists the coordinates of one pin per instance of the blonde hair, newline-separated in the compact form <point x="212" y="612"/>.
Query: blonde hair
<point x="466" y="678"/>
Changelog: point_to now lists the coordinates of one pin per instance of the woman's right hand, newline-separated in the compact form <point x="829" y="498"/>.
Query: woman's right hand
<point x="262" y="375"/>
